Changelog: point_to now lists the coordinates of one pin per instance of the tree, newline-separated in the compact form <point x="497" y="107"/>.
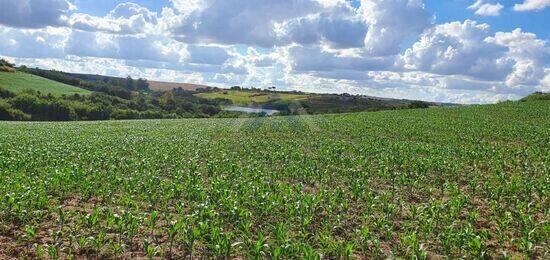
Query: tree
<point x="142" y="85"/>
<point x="130" y="84"/>
<point x="419" y="104"/>
<point x="167" y="101"/>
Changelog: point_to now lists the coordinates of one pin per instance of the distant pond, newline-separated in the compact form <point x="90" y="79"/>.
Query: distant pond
<point x="268" y="112"/>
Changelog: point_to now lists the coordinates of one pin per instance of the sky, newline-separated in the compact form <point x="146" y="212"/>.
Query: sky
<point x="461" y="51"/>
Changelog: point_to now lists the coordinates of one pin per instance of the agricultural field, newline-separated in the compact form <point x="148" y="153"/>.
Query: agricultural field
<point x="166" y="86"/>
<point x="247" y="98"/>
<point x="19" y="81"/>
<point x="464" y="182"/>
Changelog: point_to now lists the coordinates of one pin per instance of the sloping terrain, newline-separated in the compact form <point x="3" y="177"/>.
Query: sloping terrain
<point x="19" y="81"/>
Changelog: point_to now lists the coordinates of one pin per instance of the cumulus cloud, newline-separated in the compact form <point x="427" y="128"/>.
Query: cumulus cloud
<point x="532" y="56"/>
<point x="30" y="43"/>
<point x="129" y="47"/>
<point x="62" y="42"/>
<point x="486" y="9"/>
<point x="208" y="54"/>
<point x="339" y="32"/>
<point x="459" y="48"/>
<point x="545" y="82"/>
<point x="126" y="18"/>
<point x="34" y="13"/>
<point x="315" y="59"/>
<point x="390" y="22"/>
<point x="532" y="5"/>
<point x="234" y="21"/>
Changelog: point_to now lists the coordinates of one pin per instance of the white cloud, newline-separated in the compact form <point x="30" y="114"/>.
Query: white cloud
<point x="34" y="13"/>
<point x="129" y="47"/>
<point x="532" y="56"/>
<point x="486" y="9"/>
<point x="208" y="54"/>
<point x="31" y="43"/>
<point x="234" y="21"/>
<point x="126" y="18"/>
<point x="391" y="22"/>
<point x="338" y="31"/>
<point x="532" y="5"/>
<point x="315" y="59"/>
<point x="505" y="62"/>
<point x="459" y="48"/>
<point x="545" y="82"/>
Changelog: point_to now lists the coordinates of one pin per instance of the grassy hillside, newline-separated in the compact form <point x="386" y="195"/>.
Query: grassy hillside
<point x="247" y="98"/>
<point x="469" y="182"/>
<point x="19" y="81"/>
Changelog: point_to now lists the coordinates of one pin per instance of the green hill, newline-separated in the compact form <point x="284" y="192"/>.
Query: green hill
<point x="19" y="81"/>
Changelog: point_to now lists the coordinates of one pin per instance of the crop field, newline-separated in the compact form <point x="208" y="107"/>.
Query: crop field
<point x="19" y="81"/>
<point x="468" y="182"/>
<point x="246" y="98"/>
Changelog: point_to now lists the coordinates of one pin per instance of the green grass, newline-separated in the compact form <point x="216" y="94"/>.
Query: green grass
<point x="468" y="182"/>
<point x="19" y="81"/>
<point x="247" y="98"/>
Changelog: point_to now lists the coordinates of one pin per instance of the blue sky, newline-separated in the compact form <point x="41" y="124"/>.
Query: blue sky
<point x="454" y="10"/>
<point x="468" y="51"/>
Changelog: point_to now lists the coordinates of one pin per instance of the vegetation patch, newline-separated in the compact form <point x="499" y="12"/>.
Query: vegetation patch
<point x="467" y="182"/>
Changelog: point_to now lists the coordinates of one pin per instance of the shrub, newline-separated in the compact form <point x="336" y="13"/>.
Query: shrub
<point x="119" y="114"/>
<point x="4" y="93"/>
<point x="9" y="113"/>
<point x="419" y="104"/>
<point x="27" y="103"/>
<point x="60" y="111"/>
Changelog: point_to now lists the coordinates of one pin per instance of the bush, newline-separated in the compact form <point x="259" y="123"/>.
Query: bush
<point x="210" y="110"/>
<point x="419" y="104"/>
<point x="60" y="111"/>
<point x="120" y="114"/>
<point x="28" y="103"/>
<point x="152" y="114"/>
<point x="9" y="113"/>
<point x="4" y="93"/>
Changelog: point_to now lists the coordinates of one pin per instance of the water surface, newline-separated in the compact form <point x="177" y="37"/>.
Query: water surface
<point x="268" y="112"/>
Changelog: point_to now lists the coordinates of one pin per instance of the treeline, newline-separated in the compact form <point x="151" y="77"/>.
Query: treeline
<point x="120" y="87"/>
<point x="35" y="106"/>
